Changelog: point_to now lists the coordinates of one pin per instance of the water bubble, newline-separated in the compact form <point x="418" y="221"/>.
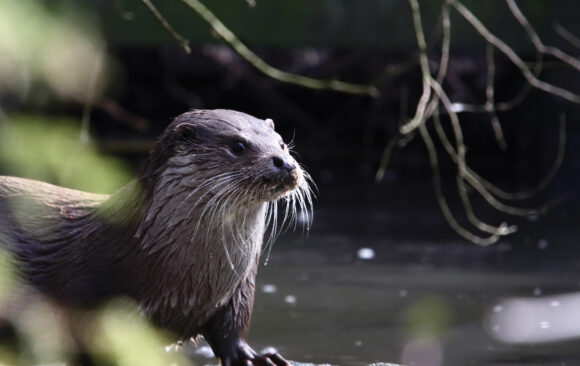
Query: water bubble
<point x="290" y="299"/>
<point x="269" y="288"/>
<point x="403" y="293"/>
<point x="366" y="253"/>
<point x="497" y="309"/>
<point x="545" y="325"/>
<point x="537" y="291"/>
<point x="542" y="244"/>
<point x="358" y="343"/>
<point x="555" y="303"/>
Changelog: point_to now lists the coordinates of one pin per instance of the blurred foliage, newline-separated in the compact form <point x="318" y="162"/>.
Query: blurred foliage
<point x="58" y="49"/>
<point x="115" y="335"/>
<point x="125" y="336"/>
<point x="50" y="150"/>
<point x="34" y="332"/>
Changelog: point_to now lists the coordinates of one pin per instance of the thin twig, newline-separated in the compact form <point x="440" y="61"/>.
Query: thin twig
<point x="419" y="117"/>
<point x="441" y="198"/>
<point x="227" y="35"/>
<point x="567" y="35"/>
<point x="396" y="141"/>
<point x="510" y="53"/>
<point x="445" y="43"/>
<point x="490" y="96"/>
<point x="506" y="105"/>
<point x="183" y="42"/>
<point x="537" y="42"/>
<point x="472" y="176"/>
<point x="502" y="229"/>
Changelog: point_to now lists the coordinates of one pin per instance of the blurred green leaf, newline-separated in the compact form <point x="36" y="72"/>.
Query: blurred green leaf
<point x="61" y="49"/>
<point x="50" y="150"/>
<point x="126" y="337"/>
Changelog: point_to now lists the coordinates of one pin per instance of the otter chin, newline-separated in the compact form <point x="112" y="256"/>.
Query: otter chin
<point x="183" y="240"/>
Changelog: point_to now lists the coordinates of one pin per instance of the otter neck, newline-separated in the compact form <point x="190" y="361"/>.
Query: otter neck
<point x="197" y="248"/>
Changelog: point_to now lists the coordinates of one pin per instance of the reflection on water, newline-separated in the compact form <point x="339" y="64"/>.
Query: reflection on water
<point x="414" y="315"/>
<point x="535" y="320"/>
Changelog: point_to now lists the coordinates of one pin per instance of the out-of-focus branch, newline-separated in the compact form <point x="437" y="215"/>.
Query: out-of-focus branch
<point x="227" y="35"/>
<point x="183" y="42"/>
<point x="568" y="36"/>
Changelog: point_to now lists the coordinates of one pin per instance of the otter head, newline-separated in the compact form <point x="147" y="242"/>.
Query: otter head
<point x="224" y="152"/>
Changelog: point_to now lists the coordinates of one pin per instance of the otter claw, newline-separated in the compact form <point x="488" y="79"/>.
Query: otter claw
<point x="269" y="359"/>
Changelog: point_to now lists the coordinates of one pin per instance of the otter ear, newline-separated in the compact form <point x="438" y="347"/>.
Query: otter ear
<point x="186" y="131"/>
<point x="269" y="122"/>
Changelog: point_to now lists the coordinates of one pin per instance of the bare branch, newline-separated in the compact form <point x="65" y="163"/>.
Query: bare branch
<point x="567" y="35"/>
<point x="472" y="176"/>
<point x="445" y="43"/>
<point x="183" y="42"/>
<point x="489" y="95"/>
<point x="425" y="112"/>
<point x="538" y="44"/>
<point x="509" y="52"/>
<point x="227" y="35"/>
<point x="419" y="117"/>
<point x="386" y="157"/>
<point x="441" y="198"/>
<point x="502" y="229"/>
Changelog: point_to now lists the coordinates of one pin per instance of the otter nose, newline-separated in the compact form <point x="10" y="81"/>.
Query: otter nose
<point x="282" y="164"/>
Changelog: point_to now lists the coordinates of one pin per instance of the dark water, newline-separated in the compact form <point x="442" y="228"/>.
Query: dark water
<point x="365" y="312"/>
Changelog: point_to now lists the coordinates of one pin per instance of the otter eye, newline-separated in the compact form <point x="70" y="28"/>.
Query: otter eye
<point x="238" y="147"/>
<point x="283" y="146"/>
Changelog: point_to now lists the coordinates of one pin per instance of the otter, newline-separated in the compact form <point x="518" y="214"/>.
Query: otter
<point x="183" y="240"/>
